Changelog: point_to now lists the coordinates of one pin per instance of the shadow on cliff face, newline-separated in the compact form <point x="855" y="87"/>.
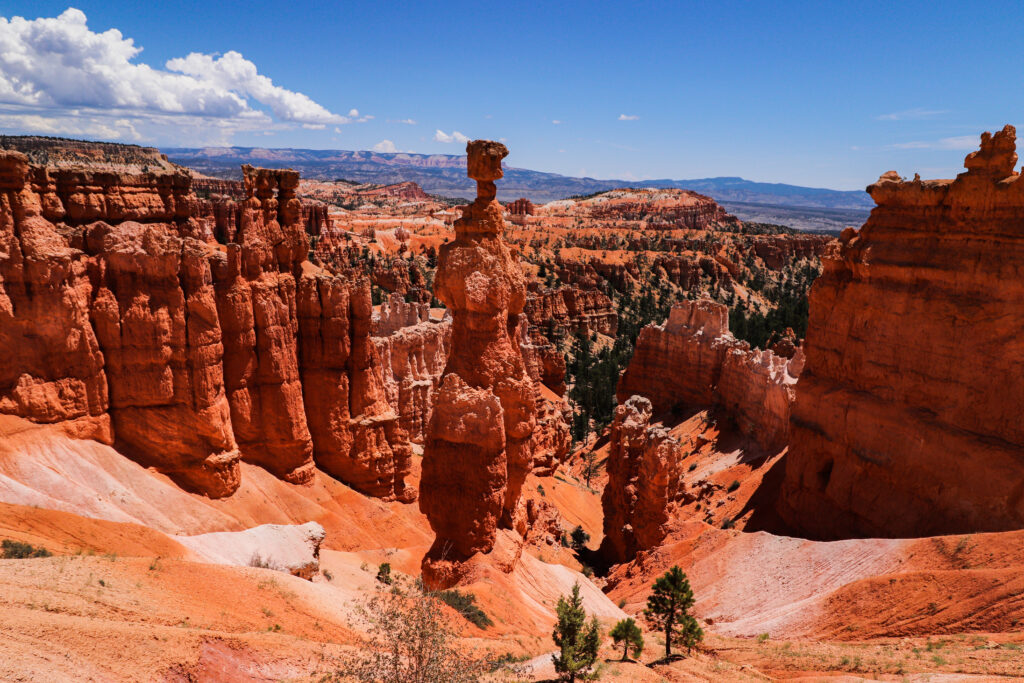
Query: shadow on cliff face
<point x="761" y="505"/>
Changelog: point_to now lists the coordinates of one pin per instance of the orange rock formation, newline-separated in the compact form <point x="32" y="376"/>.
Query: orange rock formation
<point x="478" y="448"/>
<point x="643" y="481"/>
<point x="907" y="420"/>
<point x="693" y="361"/>
<point x="570" y="310"/>
<point x="128" y="322"/>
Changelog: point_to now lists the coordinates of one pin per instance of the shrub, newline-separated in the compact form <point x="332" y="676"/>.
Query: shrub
<point x="16" y="550"/>
<point x="412" y="640"/>
<point x="384" y="573"/>
<point x="465" y="604"/>
<point x="257" y="560"/>
<point x="579" y="538"/>
<point x="628" y="633"/>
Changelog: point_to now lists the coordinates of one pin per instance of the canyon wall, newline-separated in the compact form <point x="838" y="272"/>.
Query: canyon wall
<point x="478" y="448"/>
<point x="127" y="321"/>
<point x="907" y="421"/>
<point x="693" y="361"/>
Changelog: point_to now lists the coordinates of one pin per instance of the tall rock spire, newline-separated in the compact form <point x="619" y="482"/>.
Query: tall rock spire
<point x="477" y="452"/>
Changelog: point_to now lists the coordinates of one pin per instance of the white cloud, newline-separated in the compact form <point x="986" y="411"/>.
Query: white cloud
<point x="385" y="146"/>
<point x="408" y="122"/>
<point x="555" y="121"/>
<point x="958" y="143"/>
<point x="232" y="73"/>
<point x="456" y="136"/>
<point x="628" y="117"/>
<point x="76" y="81"/>
<point x="911" y="114"/>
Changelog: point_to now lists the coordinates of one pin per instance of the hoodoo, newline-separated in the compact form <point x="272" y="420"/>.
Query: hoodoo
<point x="908" y="416"/>
<point x="478" y="447"/>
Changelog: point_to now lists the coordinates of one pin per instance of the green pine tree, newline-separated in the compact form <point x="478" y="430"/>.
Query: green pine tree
<point x="668" y="610"/>
<point x="577" y="638"/>
<point x="628" y="633"/>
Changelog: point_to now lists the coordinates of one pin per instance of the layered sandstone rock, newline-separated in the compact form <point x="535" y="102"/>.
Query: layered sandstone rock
<point x="678" y="364"/>
<point x="657" y="209"/>
<point x="572" y="310"/>
<point x="693" y="361"/>
<point x="413" y="350"/>
<point x="256" y="303"/>
<point x="907" y="420"/>
<point x="154" y="312"/>
<point x="643" y="481"/>
<point x="478" y="448"/>
<point x="776" y="250"/>
<point x="129" y="320"/>
<point x="118" y="322"/>
<point x="757" y="389"/>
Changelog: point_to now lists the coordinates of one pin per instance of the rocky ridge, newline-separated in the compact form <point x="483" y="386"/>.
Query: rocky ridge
<point x="643" y="481"/>
<point x="907" y="419"/>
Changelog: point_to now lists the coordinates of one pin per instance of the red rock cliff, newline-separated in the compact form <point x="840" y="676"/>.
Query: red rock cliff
<point x="478" y="448"/>
<point x="127" y="322"/>
<point x="693" y="361"/>
<point x="907" y="420"/>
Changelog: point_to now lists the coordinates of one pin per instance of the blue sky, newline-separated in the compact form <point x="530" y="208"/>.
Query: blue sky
<point x="822" y="94"/>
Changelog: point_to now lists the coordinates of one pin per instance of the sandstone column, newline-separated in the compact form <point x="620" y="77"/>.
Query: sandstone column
<point x="477" y="452"/>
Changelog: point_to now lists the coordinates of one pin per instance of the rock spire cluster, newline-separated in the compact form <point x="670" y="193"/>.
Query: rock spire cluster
<point x="132" y="318"/>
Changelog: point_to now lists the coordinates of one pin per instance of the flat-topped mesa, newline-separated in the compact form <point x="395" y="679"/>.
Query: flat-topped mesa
<point x="478" y="448"/>
<point x="907" y="420"/>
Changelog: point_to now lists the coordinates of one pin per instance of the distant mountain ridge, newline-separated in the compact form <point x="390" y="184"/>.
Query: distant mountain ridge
<point x="444" y="174"/>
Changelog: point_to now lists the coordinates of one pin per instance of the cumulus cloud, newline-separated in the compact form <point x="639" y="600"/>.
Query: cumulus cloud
<point x="52" y="65"/>
<point x="456" y="136"/>
<point x="628" y="117"/>
<point x="385" y="146"/>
